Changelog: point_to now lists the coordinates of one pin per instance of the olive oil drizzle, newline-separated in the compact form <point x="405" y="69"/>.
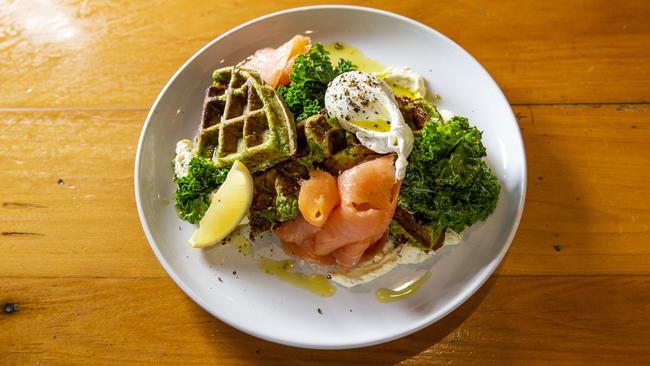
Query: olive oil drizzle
<point x="317" y="284"/>
<point x="386" y="295"/>
<point x="241" y="243"/>
<point x="373" y="125"/>
<point x="341" y="50"/>
<point x="402" y="91"/>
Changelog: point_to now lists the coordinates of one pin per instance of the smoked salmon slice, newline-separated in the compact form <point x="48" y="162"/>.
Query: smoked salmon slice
<point x="297" y="231"/>
<point x="348" y="225"/>
<point x="275" y="64"/>
<point x="368" y="194"/>
<point x="350" y="254"/>
<point x="318" y="196"/>
<point x="369" y="186"/>
<point x="306" y="252"/>
<point x="297" y="238"/>
<point x="363" y="200"/>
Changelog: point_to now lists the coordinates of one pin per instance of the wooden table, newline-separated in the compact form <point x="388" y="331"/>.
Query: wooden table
<point x="77" y="80"/>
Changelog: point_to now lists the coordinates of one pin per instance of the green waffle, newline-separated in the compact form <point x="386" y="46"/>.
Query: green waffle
<point x="244" y="119"/>
<point x="318" y="139"/>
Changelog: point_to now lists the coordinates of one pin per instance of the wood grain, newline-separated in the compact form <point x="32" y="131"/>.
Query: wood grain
<point x="120" y="54"/>
<point x="542" y="320"/>
<point x="71" y="195"/>
<point x="588" y="188"/>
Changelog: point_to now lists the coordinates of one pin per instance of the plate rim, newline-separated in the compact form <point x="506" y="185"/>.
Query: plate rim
<point x="425" y="321"/>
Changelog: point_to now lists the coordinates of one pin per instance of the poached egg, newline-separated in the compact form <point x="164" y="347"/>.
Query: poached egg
<point x="365" y="105"/>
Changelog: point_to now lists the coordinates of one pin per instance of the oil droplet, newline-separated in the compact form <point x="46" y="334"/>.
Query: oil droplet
<point x="403" y="92"/>
<point x="373" y="125"/>
<point x="386" y="295"/>
<point x="28" y="90"/>
<point x="240" y="243"/>
<point x="341" y="50"/>
<point x="316" y="284"/>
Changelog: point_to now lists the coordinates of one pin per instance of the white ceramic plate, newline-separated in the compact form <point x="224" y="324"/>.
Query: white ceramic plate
<point x="264" y="306"/>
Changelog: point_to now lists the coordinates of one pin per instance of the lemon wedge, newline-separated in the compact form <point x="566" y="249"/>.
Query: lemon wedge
<point x="228" y="207"/>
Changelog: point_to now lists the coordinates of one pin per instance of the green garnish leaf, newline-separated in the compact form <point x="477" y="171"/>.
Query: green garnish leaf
<point x="193" y="191"/>
<point x="310" y="76"/>
<point x="345" y="66"/>
<point x="447" y="180"/>
<point x="286" y="207"/>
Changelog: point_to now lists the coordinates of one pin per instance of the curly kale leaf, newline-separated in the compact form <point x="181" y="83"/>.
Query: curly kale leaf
<point x="193" y="191"/>
<point x="345" y="66"/>
<point x="447" y="180"/>
<point x="310" y="76"/>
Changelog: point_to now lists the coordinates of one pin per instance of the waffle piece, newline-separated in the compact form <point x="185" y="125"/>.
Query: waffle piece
<point x="407" y="228"/>
<point x="353" y="154"/>
<point x="417" y="112"/>
<point x="275" y="196"/>
<point x="318" y="139"/>
<point x="244" y="119"/>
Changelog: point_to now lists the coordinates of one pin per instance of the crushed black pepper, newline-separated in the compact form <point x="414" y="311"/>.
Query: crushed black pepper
<point x="60" y="182"/>
<point x="320" y="311"/>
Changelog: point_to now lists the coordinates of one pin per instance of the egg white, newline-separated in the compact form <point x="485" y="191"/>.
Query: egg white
<point x="360" y="101"/>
